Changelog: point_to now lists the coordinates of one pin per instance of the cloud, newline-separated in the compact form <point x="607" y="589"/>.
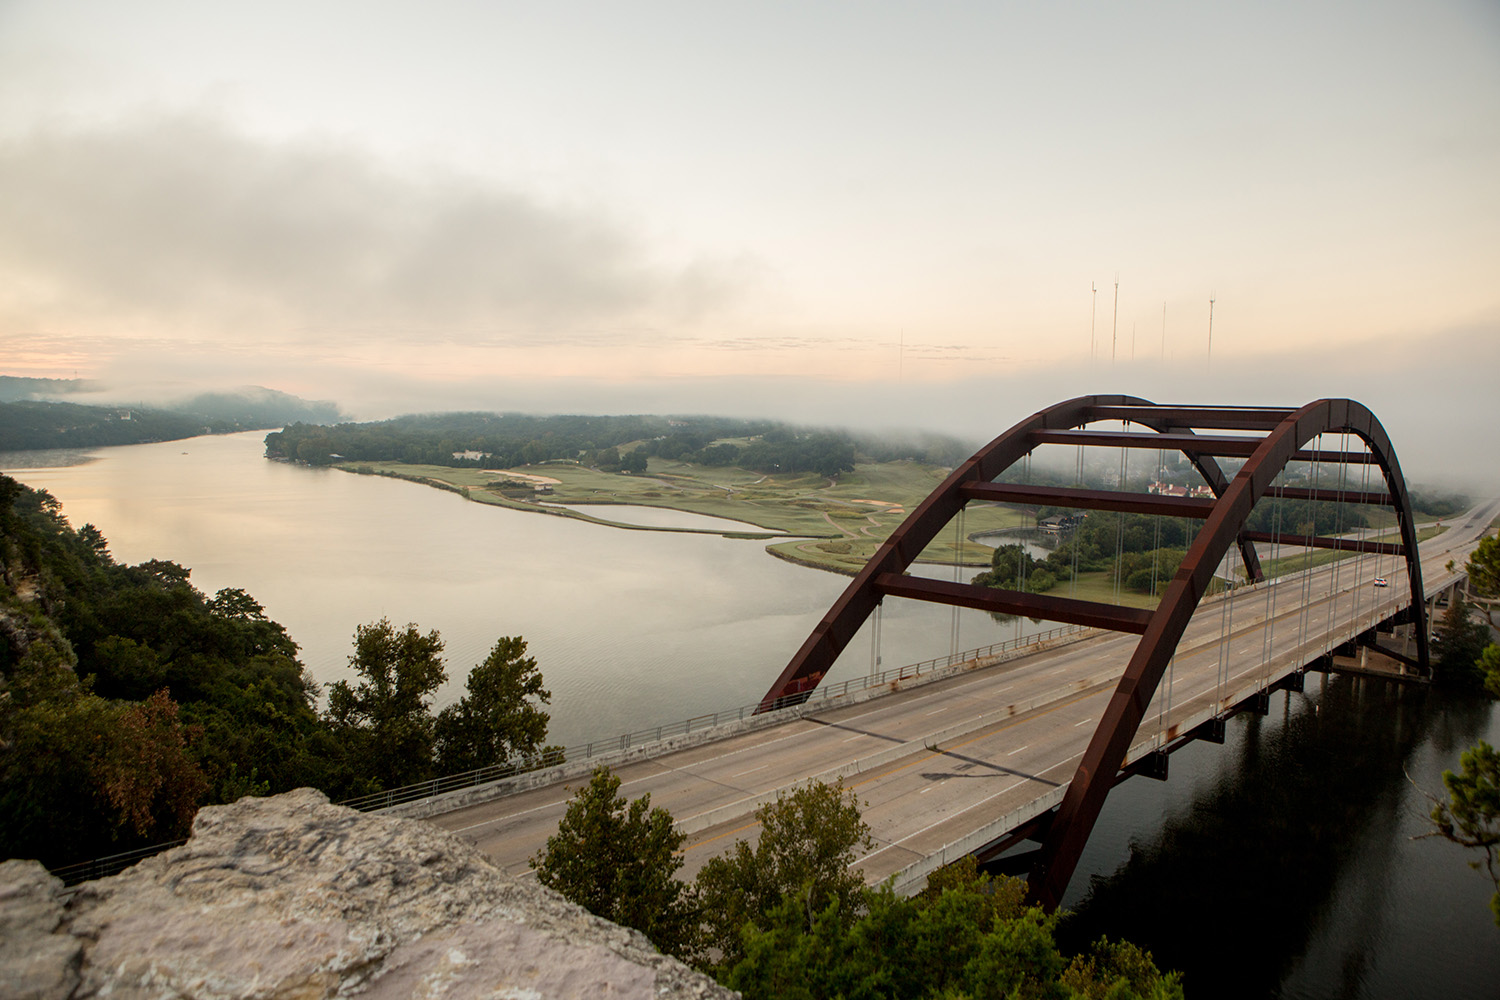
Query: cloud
<point x="182" y="222"/>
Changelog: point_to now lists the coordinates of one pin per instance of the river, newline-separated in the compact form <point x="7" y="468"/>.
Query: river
<point x="631" y="629"/>
<point x="1278" y="865"/>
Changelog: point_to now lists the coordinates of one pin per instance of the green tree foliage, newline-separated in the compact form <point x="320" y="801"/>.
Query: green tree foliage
<point x="967" y="936"/>
<point x="499" y="718"/>
<point x="385" y="720"/>
<point x="505" y="440"/>
<point x="619" y="860"/>
<point x="1306" y="517"/>
<point x="806" y="846"/>
<point x="633" y="461"/>
<point x="1149" y="572"/>
<point x="1483" y="568"/>
<point x="28" y="424"/>
<point x="1459" y="642"/>
<point x="1489" y="669"/>
<point x="82" y="775"/>
<point x="128" y="698"/>
<point x="612" y="443"/>
<point x="1013" y="568"/>
<point x="1471" y="816"/>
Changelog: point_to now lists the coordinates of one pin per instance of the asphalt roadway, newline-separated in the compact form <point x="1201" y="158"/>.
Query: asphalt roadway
<point x="954" y="763"/>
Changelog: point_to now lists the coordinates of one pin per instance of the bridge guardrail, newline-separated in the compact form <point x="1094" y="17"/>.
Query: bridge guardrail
<point x="608" y="747"/>
<point x="600" y="750"/>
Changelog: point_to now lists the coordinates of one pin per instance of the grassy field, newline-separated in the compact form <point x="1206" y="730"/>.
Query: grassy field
<point x="832" y="524"/>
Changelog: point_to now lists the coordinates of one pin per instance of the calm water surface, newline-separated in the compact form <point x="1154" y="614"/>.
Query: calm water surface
<point x="1278" y="865"/>
<point x="630" y="628"/>
<point x="1283" y="863"/>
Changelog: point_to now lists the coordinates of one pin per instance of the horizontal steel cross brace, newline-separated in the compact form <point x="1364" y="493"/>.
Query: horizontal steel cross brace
<point x="1061" y="496"/>
<point x="1235" y="418"/>
<point x="1202" y="444"/>
<point x="1334" y="457"/>
<point x="1092" y="614"/>
<point x="1333" y="496"/>
<point x="1320" y="542"/>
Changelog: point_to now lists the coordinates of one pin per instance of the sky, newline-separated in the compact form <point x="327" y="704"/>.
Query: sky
<point x="938" y="215"/>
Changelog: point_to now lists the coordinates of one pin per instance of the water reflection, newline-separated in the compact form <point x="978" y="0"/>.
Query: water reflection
<point x="1282" y="865"/>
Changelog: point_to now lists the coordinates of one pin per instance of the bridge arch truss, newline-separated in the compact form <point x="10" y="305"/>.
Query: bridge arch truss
<point x="1268" y="439"/>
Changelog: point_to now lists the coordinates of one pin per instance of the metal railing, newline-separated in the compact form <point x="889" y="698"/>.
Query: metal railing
<point x="611" y="746"/>
<point x="607" y="748"/>
<point x="83" y="871"/>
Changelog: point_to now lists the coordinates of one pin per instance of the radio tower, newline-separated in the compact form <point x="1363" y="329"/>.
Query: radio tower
<point x="1114" y="331"/>
<point x="1093" y="308"/>
<point x="1211" y="331"/>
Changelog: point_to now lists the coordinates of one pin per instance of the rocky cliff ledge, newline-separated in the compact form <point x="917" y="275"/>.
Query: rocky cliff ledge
<point x="290" y="897"/>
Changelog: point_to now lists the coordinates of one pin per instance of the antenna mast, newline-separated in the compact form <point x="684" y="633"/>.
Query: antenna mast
<point x="1114" y="331"/>
<point x="1093" y="308"/>
<point x="1211" y="301"/>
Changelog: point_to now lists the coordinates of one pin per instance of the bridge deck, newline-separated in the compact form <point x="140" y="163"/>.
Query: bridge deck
<point x="945" y="768"/>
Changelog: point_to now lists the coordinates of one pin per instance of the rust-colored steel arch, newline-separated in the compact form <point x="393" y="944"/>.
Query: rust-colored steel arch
<point x="1280" y="436"/>
<point x="882" y="575"/>
<point x="1075" y="818"/>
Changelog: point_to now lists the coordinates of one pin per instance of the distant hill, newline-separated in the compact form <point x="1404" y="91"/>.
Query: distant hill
<point x="17" y="387"/>
<point x="253" y="407"/>
<point x="29" y="423"/>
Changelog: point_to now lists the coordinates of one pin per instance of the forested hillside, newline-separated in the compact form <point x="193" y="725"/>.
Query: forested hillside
<point x="508" y="440"/>
<point x="34" y="423"/>
<point x="128" y="698"/>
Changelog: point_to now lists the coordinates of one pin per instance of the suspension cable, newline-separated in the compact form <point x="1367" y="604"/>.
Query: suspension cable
<point x="1161" y="461"/>
<point x="1304" y="610"/>
<point x="1120" y="518"/>
<point x="1226" y="625"/>
<point x="1338" y="530"/>
<point x="1021" y="556"/>
<point x="958" y="544"/>
<point x="1268" y="633"/>
<point x="1073" y="531"/>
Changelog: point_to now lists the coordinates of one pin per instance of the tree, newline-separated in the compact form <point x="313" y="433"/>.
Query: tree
<point x="147" y="774"/>
<point x="1484" y="570"/>
<point x="1471" y="816"/>
<point x="385" y="719"/>
<point x="806" y="847"/>
<point x="1489" y="668"/>
<point x="499" y="718"/>
<point x="619" y="861"/>
<point x="1459" y="642"/>
<point x="1008" y="564"/>
<point x="966" y="936"/>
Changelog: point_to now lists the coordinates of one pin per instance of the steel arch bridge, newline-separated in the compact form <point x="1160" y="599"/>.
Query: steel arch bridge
<point x="1268" y="439"/>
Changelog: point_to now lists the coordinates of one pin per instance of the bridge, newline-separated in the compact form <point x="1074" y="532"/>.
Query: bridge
<point x="986" y="755"/>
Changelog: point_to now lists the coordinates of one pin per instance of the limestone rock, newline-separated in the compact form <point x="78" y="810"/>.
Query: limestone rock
<point x="291" y="897"/>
